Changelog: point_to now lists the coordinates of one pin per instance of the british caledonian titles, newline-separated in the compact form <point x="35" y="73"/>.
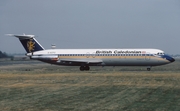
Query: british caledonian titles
<point x="117" y="52"/>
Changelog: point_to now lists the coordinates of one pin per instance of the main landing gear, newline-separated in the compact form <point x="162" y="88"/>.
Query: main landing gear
<point x="82" y="68"/>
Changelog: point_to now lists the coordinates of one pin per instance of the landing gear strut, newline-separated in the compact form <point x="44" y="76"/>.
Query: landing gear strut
<point x="82" y="68"/>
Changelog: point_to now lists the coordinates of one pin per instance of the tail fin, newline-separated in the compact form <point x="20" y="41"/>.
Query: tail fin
<point x="29" y="42"/>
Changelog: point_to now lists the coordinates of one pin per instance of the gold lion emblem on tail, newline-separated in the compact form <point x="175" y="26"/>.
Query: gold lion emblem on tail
<point x="30" y="45"/>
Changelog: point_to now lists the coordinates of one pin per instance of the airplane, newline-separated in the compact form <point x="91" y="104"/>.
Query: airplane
<point x="93" y="57"/>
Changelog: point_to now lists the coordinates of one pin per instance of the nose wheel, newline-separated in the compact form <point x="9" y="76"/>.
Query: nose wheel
<point x="149" y="68"/>
<point x="82" y="68"/>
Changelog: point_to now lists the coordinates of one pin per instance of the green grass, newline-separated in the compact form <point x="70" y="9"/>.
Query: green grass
<point x="53" y="88"/>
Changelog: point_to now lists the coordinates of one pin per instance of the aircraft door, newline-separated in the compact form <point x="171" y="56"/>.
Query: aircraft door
<point x="148" y="56"/>
<point x="93" y="55"/>
<point x="87" y="55"/>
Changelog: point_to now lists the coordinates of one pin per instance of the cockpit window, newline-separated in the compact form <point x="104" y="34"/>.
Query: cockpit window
<point x="160" y="53"/>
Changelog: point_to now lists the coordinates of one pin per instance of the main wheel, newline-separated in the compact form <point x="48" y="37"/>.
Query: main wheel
<point x="87" y="68"/>
<point x="82" y="68"/>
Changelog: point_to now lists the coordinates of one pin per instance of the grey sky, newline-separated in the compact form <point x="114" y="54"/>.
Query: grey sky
<point x="92" y="23"/>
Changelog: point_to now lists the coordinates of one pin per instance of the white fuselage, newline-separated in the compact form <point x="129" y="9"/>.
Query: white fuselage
<point x="103" y="57"/>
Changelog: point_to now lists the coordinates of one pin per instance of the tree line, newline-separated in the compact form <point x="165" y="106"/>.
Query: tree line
<point x="3" y="55"/>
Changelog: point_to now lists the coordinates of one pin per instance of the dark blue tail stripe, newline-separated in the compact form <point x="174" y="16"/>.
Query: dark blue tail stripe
<point x="31" y="45"/>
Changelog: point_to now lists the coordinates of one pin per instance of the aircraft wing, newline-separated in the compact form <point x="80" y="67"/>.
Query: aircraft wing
<point x="86" y="61"/>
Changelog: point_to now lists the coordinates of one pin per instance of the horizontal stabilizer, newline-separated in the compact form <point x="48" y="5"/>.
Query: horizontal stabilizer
<point x="29" y="43"/>
<point x="22" y="36"/>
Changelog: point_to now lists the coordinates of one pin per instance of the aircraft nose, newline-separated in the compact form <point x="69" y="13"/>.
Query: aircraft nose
<point x="172" y="60"/>
<point x="169" y="58"/>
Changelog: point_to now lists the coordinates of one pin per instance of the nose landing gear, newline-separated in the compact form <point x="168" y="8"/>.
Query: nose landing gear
<point x="149" y="68"/>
